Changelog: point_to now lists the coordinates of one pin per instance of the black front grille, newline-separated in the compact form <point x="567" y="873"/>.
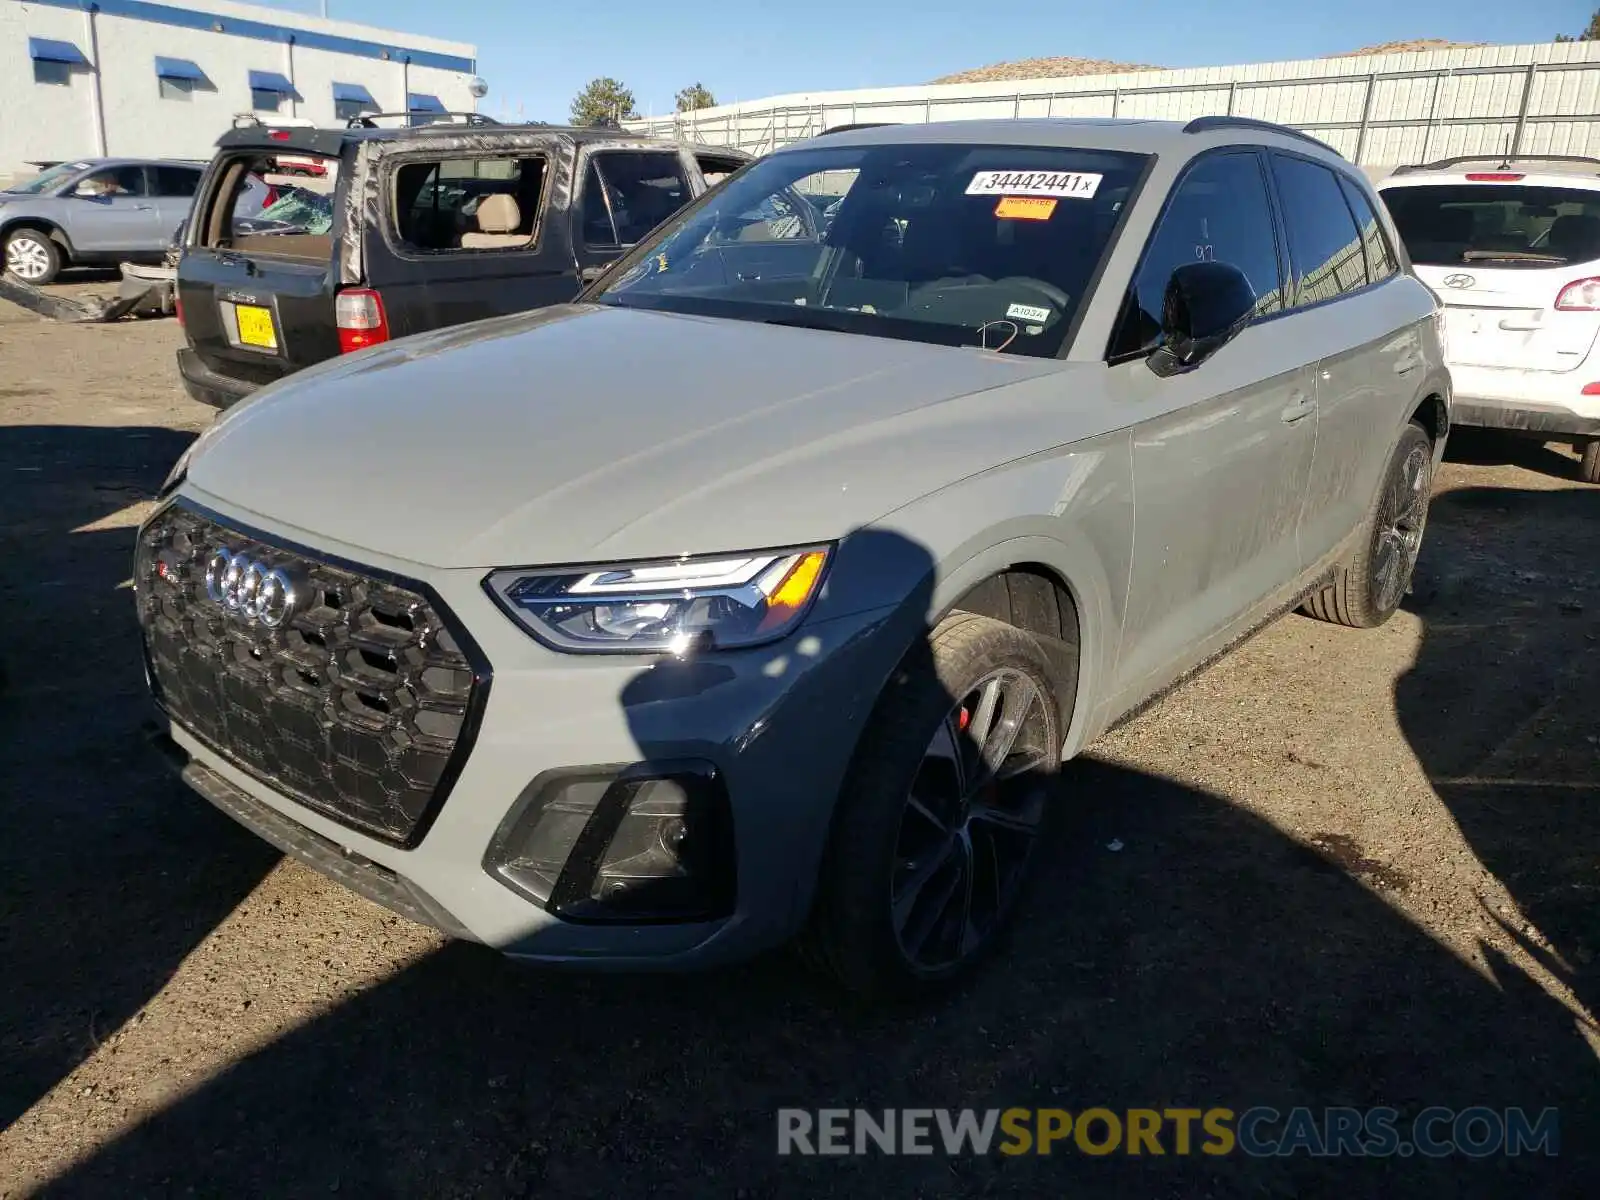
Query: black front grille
<point x="361" y="705"/>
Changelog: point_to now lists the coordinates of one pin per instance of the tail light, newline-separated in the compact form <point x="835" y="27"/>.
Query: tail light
<point x="1493" y="176"/>
<point x="1591" y="389"/>
<point x="270" y="198"/>
<point x="1581" y="295"/>
<point x="360" y="317"/>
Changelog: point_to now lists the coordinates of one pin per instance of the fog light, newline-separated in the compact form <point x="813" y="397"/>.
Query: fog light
<point x="648" y="843"/>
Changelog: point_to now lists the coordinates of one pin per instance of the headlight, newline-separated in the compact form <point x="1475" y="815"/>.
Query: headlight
<point x="675" y="606"/>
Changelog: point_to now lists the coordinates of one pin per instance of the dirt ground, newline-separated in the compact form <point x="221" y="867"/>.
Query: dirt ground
<point x="1339" y="868"/>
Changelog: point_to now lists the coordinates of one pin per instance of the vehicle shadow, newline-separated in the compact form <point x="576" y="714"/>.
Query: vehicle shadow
<point x="1513" y="747"/>
<point x="1486" y="447"/>
<point x="109" y="872"/>
<point x="1176" y="952"/>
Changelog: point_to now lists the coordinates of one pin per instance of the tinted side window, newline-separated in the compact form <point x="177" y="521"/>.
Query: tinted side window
<point x="1326" y="249"/>
<point x="626" y="194"/>
<point x="1219" y="212"/>
<point x="1380" y="258"/>
<point x="176" y="181"/>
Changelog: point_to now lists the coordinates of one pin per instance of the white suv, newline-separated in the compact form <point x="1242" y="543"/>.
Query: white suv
<point x="1514" y="256"/>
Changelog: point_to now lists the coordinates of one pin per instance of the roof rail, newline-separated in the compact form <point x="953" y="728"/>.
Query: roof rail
<point x="370" y="120"/>
<point x="858" y="125"/>
<point x="1207" y="124"/>
<point x="1502" y="160"/>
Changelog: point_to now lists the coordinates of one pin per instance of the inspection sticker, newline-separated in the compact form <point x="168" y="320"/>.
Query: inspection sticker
<point x="1026" y="208"/>
<point x="1079" y="185"/>
<point x="1026" y="312"/>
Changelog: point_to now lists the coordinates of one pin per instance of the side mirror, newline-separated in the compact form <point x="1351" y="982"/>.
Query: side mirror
<point x="1206" y="306"/>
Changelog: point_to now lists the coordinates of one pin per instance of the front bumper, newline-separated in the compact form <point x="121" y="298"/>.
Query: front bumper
<point x="779" y="723"/>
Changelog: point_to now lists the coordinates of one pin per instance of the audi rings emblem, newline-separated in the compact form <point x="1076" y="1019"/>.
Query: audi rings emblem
<point x="258" y="592"/>
<point x="1459" y="281"/>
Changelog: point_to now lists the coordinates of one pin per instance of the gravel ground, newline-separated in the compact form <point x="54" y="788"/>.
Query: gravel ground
<point x="1339" y="868"/>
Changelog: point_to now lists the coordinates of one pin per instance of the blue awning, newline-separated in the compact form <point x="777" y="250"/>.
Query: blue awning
<point x="271" y="81"/>
<point x="178" y="68"/>
<point x="353" y="91"/>
<point x="422" y="102"/>
<point x="49" y="50"/>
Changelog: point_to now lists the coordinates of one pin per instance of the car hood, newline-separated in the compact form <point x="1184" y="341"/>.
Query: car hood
<point x="580" y="433"/>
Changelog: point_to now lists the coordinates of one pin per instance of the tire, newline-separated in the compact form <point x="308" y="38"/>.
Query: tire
<point x="33" y="257"/>
<point x="1368" y="588"/>
<point x="1589" y="462"/>
<point x="903" y="835"/>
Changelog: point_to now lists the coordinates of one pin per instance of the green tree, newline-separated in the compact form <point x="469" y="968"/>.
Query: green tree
<point x="1591" y="31"/>
<point x="605" y="99"/>
<point x="695" y="96"/>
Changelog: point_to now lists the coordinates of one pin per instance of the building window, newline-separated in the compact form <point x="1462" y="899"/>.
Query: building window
<point x="351" y="100"/>
<point x="263" y="100"/>
<point x="346" y="110"/>
<point x="176" y="89"/>
<point x="58" y="74"/>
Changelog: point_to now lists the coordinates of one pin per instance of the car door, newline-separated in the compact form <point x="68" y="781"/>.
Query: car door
<point x="622" y="196"/>
<point x="174" y="195"/>
<point x="1368" y="355"/>
<point x="111" y="212"/>
<point x="1220" y="453"/>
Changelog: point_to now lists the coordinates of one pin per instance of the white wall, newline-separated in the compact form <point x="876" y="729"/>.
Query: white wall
<point x="53" y="122"/>
<point x="1413" y="106"/>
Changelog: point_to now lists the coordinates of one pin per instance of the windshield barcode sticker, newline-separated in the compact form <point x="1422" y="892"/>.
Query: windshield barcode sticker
<point x="1076" y="184"/>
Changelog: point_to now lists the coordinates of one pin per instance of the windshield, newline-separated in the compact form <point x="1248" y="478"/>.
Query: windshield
<point x="1503" y="225"/>
<point x="989" y="246"/>
<point x="49" y="179"/>
<point x="302" y="211"/>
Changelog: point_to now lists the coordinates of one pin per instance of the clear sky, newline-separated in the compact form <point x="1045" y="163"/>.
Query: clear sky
<point x="537" y="56"/>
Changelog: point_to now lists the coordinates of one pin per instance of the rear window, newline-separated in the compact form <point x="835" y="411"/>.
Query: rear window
<point x="471" y="204"/>
<point x="258" y="209"/>
<point x="1506" y="225"/>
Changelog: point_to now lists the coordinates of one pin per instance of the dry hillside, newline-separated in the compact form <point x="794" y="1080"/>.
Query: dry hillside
<point x="1056" y="68"/>
<point x="1410" y="47"/>
<point x="1043" y="68"/>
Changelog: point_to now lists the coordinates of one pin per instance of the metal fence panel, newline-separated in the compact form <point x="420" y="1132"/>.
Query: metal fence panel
<point x="1377" y="110"/>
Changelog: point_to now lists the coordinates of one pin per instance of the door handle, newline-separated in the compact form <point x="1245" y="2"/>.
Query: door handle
<point x="144" y="208"/>
<point x="1406" y="365"/>
<point x="1512" y="325"/>
<point x="590" y="274"/>
<point x="1300" y="407"/>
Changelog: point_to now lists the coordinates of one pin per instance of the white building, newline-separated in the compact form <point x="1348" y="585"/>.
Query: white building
<point x="90" y="78"/>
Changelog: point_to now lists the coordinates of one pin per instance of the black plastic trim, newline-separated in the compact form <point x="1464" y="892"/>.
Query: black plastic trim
<point x="583" y="862"/>
<point x="1504" y="161"/>
<point x="1212" y="124"/>
<point x="477" y="699"/>
<point x="356" y="872"/>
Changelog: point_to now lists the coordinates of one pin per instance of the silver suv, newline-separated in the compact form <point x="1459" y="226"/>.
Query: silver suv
<point x="764" y="590"/>
<point x="94" y="211"/>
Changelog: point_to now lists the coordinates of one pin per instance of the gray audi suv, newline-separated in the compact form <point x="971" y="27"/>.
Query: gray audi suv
<point x="762" y="592"/>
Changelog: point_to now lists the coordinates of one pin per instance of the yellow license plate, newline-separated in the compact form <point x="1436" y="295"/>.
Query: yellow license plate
<point x="255" y="326"/>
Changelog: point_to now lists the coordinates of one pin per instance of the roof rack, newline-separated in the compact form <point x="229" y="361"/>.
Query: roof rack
<point x="1207" y="124"/>
<point x="370" y="120"/>
<point x="1501" y="160"/>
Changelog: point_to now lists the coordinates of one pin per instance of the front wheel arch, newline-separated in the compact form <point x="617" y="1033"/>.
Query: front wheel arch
<point x="51" y="230"/>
